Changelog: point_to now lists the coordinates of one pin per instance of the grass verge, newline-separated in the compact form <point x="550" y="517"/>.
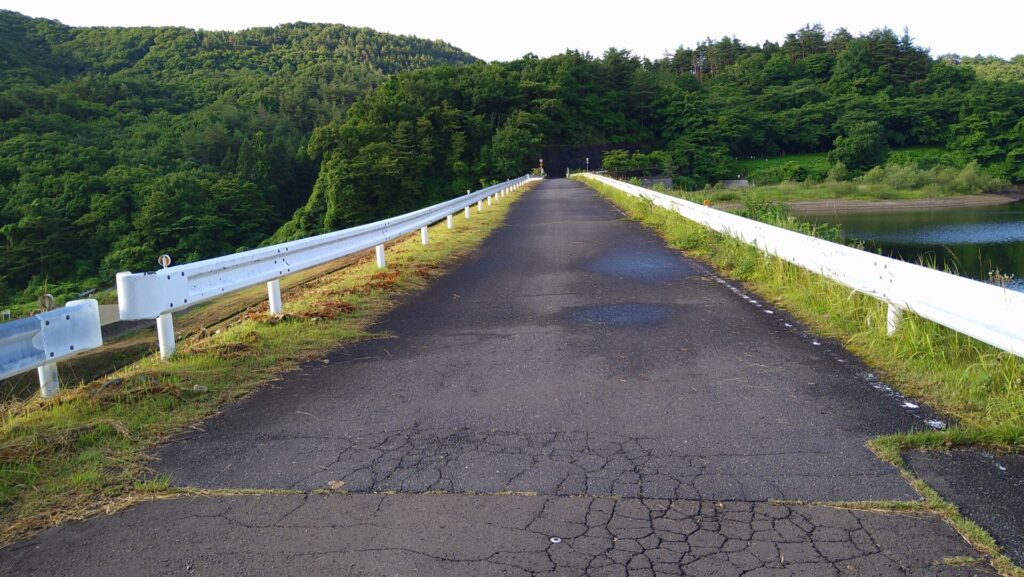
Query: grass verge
<point x="979" y="386"/>
<point x="843" y="190"/>
<point x="83" y="453"/>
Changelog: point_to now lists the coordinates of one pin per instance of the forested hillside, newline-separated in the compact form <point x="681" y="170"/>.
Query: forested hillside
<point x="118" y="144"/>
<point x="428" y="134"/>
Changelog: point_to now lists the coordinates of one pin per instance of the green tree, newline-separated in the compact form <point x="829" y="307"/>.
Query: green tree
<point x="861" y="148"/>
<point x="516" y="145"/>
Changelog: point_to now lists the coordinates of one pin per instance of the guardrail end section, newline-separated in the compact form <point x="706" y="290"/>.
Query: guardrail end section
<point x="148" y="295"/>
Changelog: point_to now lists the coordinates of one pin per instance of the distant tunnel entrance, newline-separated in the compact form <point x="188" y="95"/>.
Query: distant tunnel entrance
<point x="559" y="157"/>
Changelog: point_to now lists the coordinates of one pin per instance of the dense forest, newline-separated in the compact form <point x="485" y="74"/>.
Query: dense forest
<point x="693" y="114"/>
<point x="119" y="144"/>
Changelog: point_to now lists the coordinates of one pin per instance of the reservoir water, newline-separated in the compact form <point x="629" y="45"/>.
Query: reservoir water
<point x="973" y="242"/>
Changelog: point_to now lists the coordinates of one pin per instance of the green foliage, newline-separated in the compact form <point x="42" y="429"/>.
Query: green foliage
<point x="516" y="143"/>
<point x="861" y="148"/>
<point x="313" y="127"/>
<point x="776" y="213"/>
<point x="119" y="144"/>
<point x="621" y="163"/>
<point x="429" y="135"/>
<point x="837" y="172"/>
<point x="971" y="179"/>
<point x="792" y="168"/>
<point x="993" y="67"/>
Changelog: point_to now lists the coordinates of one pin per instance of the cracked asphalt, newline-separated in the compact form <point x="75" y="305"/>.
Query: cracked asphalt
<point x="361" y="534"/>
<point x="575" y="380"/>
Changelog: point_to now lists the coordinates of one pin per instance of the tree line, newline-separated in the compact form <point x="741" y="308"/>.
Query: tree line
<point x="429" y="134"/>
<point x="117" y="145"/>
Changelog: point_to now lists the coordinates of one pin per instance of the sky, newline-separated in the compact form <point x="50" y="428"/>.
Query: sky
<point x="505" y="31"/>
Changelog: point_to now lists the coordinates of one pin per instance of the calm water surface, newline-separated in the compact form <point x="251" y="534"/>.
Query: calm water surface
<point x="971" y="241"/>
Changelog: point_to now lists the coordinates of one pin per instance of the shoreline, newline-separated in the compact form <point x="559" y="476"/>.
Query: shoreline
<point x="840" y="205"/>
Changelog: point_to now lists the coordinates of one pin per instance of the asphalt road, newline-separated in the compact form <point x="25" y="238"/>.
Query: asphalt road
<point x="574" y="354"/>
<point x="987" y="488"/>
<point x="483" y="536"/>
<point x="575" y="379"/>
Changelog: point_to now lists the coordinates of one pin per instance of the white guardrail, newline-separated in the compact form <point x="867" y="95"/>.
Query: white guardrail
<point x="40" y="341"/>
<point x="989" y="313"/>
<point x="157" y="295"/>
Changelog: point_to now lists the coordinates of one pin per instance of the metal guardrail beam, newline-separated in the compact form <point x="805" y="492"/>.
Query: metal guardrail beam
<point x="40" y="341"/>
<point x="159" y="294"/>
<point x="988" y="313"/>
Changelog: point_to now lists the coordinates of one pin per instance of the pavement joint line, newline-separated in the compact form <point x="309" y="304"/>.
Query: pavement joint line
<point x="877" y="506"/>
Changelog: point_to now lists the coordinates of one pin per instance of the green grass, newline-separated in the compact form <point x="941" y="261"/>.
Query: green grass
<point x="892" y="182"/>
<point x="84" y="452"/>
<point x="981" y="387"/>
<point x="799" y="167"/>
<point x="797" y="191"/>
<point x="909" y="173"/>
<point x="773" y="168"/>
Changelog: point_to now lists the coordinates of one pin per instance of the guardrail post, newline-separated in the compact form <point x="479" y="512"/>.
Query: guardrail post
<point x="49" y="384"/>
<point x="488" y="201"/>
<point x="451" y="221"/>
<point x="381" y="261"/>
<point x="423" y="235"/>
<point x="893" y="314"/>
<point x="479" y="206"/>
<point x="467" y="212"/>
<point x="274" y="297"/>
<point x="165" y="335"/>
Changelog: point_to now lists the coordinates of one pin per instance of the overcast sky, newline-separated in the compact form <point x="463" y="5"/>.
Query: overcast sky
<point x="505" y="31"/>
